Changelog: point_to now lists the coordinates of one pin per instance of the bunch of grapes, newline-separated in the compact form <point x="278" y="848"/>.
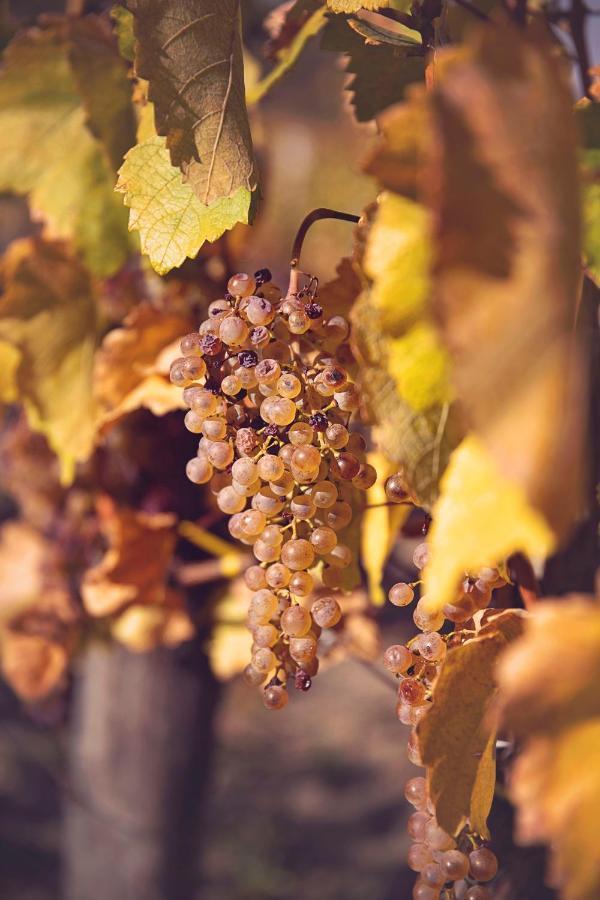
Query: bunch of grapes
<point x="268" y="389"/>
<point x="443" y="863"/>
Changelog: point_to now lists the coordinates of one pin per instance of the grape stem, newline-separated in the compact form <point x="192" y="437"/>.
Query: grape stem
<point x="314" y="216"/>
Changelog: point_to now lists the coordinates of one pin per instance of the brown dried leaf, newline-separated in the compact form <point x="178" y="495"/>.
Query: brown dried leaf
<point x="23" y="553"/>
<point x="454" y="736"/>
<point x="142" y="628"/>
<point x="132" y="364"/>
<point x="135" y="566"/>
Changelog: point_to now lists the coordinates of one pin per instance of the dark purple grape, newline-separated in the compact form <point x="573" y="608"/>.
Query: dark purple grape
<point x="302" y="681"/>
<point x="313" y="310"/>
<point x="319" y="421"/>
<point x="261" y="276"/>
<point x="247" y="358"/>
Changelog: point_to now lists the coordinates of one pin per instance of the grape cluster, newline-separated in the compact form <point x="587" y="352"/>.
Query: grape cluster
<point x="268" y="389"/>
<point x="442" y="862"/>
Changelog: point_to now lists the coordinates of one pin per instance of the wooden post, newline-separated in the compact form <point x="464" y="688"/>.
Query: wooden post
<point x="140" y="747"/>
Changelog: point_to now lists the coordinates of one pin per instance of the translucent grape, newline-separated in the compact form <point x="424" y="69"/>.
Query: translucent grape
<point x="303" y="649"/>
<point x="253" y="521"/>
<point x="268" y="371"/>
<point x="265" y="635"/>
<point x="419" y="856"/>
<point x="397" y="659"/>
<point x="306" y="459"/>
<point x="199" y="470"/>
<point x="478" y="892"/>
<point x="417" y="824"/>
<point x="323" y="539"/>
<point x="395" y="489"/>
<point x="283" y="412"/>
<point x="431" y="646"/>
<point x="437" y="838"/>
<point x="267" y="502"/>
<point x="229" y="501"/>
<point x="245" y="471"/>
<point x="454" y="864"/>
<point x="423" y="891"/>
<point x="200" y="400"/>
<point x="191" y="344"/>
<point x="415" y="791"/>
<point x="283" y="485"/>
<point x="288" y="385"/>
<point x="231" y="385"/>
<point x="259" y="311"/>
<point x="425" y="619"/>
<point x="348" y="466"/>
<point x="266" y="552"/>
<point x="340" y="557"/>
<point x="241" y="285"/>
<point x="401" y="594"/>
<point x="255" y="577"/>
<point x="252" y="676"/>
<point x="302" y="584"/>
<point x="297" y="554"/>
<point x="324" y="493"/>
<point x="272" y="535"/>
<point x="303" y="507"/>
<point x="275" y="697"/>
<point x="411" y="691"/>
<point x="338" y="516"/>
<point x="213" y="428"/>
<point x="432" y="875"/>
<point x="483" y="864"/>
<point x="348" y="399"/>
<point x="278" y="576"/>
<point x="270" y="468"/>
<point x="220" y="454"/>
<point x="296" y="621"/>
<point x="326" y="612"/>
<point x="300" y="433"/>
<point x="365" y="477"/>
<point x="264" y="659"/>
<point x="421" y="555"/>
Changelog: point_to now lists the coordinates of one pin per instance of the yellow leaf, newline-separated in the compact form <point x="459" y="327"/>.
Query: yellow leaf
<point x="172" y="221"/>
<point x="350" y="6"/>
<point x="479" y="518"/>
<point x="456" y="740"/>
<point x="380" y="525"/>
<point x="10" y="358"/>
<point x="231" y="642"/>
<point x="287" y="56"/>
<point x="419" y="365"/>
<point x="48" y="151"/>
<point x="397" y="258"/>
<point x="48" y="314"/>
<point x="142" y="628"/>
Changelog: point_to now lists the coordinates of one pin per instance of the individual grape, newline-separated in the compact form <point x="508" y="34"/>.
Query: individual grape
<point x="252" y="676"/>
<point x="218" y="308"/>
<point x="323" y="539"/>
<point x="426" y="620"/>
<point x="283" y="485"/>
<point x="285" y="454"/>
<point x="432" y="875"/>
<point x="348" y="466"/>
<point x="284" y="412"/>
<point x="241" y="285"/>
<point x="288" y="385"/>
<point x="233" y="331"/>
<point x="348" y="399"/>
<point x="356" y="444"/>
<point x="296" y="621"/>
<point x="302" y="584"/>
<point x="220" y="454"/>
<point x="365" y="477"/>
<point x="306" y="459"/>
<point x="213" y="428"/>
<point x="265" y="635"/>
<point x="397" y="659"/>
<point x="267" y="502"/>
<point x="421" y="555"/>
<point x="417" y="824"/>
<point x="199" y="470"/>
<point x="231" y="385"/>
<point x="437" y="838"/>
<point x="244" y="470"/>
<point x="478" y="892"/>
<point x="325" y="494"/>
<point x="297" y="554"/>
<point x="247" y="490"/>
<point x="454" y="864"/>
<point x="200" y="400"/>
<point x="178" y="373"/>
<point x="263" y="604"/>
<point x="272" y="534"/>
<point x="277" y="576"/>
<point x="401" y="594"/>
<point x="419" y="856"/>
<point x="266" y="553"/>
<point x="395" y="489"/>
<point x="193" y="422"/>
<point x="268" y="371"/>
<point x="264" y="659"/>
<point x="303" y="649"/>
<point x="300" y="433"/>
<point x="483" y="864"/>
<point x="235" y="529"/>
<point x="255" y="577"/>
<point x="413" y="750"/>
<point x="246" y="441"/>
<point x="423" y="891"/>
<point x="411" y="691"/>
<point x="431" y="646"/>
<point x="338" y="516"/>
<point x="326" y="612"/>
<point x="275" y="696"/>
<point x="337" y="329"/>
<point x="415" y="791"/>
<point x="303" y="507"/>
<point x="253" y="521"/>
<point x="191" y="344"/>
<point x="270" y="468"/>
<point x="229" y="501"/>
<point x="336" y="436"/>
<point x="340" y="557"/>
<point x="259" y="311"/>
<point x="298" y="322"/>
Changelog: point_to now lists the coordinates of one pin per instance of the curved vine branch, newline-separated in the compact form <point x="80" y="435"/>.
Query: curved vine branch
<point x="315" y="215"/>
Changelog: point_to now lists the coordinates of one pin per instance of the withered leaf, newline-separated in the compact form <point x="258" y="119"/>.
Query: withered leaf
<point x="191" y="55"/>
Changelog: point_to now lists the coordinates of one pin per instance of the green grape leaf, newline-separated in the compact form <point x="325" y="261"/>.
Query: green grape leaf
<point x="123" y="28"/>
<point x="49" y="152"/>
<point x="419" y="443"/>
<point x="102" y="82"/>
<point x="172" y="221"/>
<point x="48" y="313"/>
<point x="286" y="57"/>
<point x="380" y="74"/>
<point x="191" y="55"/>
